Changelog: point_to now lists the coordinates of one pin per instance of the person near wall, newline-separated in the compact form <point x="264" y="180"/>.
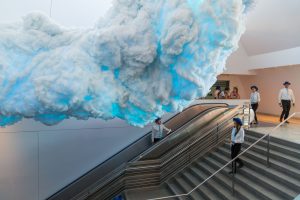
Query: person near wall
<point x="217" y="92"/>
<point x="237" y="139"/>
<point x="227" y="93"/>
<point x="235" y="93"/>
<point x="158" y="129"/>
<point x="254" y="100"/>
<point x="286" y="98"/>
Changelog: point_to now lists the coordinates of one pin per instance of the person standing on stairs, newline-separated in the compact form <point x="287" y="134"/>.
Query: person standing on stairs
<point x="254" y="100"/>
<point x="158" y="130"/>
<point x="286" y="98"/>
<point x="237" y="139"/>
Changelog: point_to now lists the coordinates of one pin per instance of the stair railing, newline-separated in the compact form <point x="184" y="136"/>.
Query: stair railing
<point x="267" y="135"/>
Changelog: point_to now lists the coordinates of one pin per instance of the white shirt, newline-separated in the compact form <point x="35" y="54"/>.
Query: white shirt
<point x="286" y="94"/>
<point x="255" y="97"/>
<point x="216" y="94"/>
<point x="158" y="130"/>
<point x="222" y="95"/>
<point x="239" y="137"/>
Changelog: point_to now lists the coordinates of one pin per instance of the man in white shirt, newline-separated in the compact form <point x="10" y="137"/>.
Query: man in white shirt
<point x="254" y="100"/>
<point x="286" y="98"/>
<point x="158" y="130"/>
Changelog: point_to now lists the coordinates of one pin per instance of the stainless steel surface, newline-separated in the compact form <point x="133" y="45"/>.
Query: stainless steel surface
<point x="113" y="167"/>
<point x="181" y="134"/>
<point x="229" y="162"/>
<point x="151" y="173"/>
<point x="268" y="151"/>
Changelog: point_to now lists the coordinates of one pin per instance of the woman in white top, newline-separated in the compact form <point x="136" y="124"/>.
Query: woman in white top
<point x="158" y="130"/>
<point x="254" y="100"/>
<point x="237" y="139"/>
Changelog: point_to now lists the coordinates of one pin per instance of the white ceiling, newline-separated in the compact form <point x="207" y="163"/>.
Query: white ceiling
<point x="272" y="25"/>
<point x="82" y="13"/>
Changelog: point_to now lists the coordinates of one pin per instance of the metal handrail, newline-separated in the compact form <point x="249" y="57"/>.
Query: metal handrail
<point x="229" y="162"/>
<point x="149" y="166"/>
<point x="132" y="143"/>
<point x="170" y="135"/>
<point x="188" y="146"/>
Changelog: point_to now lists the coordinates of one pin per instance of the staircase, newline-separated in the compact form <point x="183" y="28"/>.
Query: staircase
<point x="254" y="181"/>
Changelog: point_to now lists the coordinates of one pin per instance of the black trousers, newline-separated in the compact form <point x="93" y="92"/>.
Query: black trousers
<point x="254" y="107"/>
<point x="235" y="150"/>
<point x="156" y="140"/>
<point x="286" y="107"/>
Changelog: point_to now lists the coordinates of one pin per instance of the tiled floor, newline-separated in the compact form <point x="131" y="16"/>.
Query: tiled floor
<point x="289" y="132"/>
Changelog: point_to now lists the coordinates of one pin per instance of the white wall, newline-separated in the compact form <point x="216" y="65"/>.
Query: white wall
<point x="240" y="63"/>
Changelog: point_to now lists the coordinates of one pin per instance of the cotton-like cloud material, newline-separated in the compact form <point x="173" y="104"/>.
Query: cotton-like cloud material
<point x="145" y="58"/>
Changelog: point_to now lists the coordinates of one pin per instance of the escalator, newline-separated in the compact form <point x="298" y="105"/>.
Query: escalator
<point x="142" y="164"/>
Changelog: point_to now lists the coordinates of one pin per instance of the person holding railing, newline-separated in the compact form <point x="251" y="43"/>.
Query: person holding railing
<point x="237" y="139"/>
<point x="158" y="129"/>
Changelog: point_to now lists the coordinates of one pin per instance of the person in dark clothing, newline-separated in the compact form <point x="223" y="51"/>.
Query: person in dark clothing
<point x="286" y="98"/>
<point x="254" y="100"/>
<point x="237" y="139"/>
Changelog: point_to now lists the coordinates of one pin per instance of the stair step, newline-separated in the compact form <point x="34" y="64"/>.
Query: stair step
<point x="276" y="147"/>
<point x="293" y="161"/>
<point x="175" y="189"/>
<point x="280" y="189"/>
<point x="272" y="173"/>
<point x="240" y="179"/>
<point x="222" y="188"/>
<point x="193" y="181"/>
<point x="274" y="139"/>
<point x="203" y="190"/>
<point x="226" y="181"/>
<point x="280" y="166"/>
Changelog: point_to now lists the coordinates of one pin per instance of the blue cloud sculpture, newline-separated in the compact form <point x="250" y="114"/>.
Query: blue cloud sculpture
<point x="144" y="58"/>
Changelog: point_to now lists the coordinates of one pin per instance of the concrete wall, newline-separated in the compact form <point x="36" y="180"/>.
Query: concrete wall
<point x="269" y="82"/>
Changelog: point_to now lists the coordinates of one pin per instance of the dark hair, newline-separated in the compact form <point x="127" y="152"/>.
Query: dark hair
<point x="218" y="87"/>
<point x="227" y="89"/>
<point x="157" y="119"/>
<point x="237" y="89"/>
<point x="255" y="87"/>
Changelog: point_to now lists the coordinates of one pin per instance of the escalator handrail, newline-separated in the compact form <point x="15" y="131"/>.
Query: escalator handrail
<point x="135" y="142"/>
<point x="147" y="134"/>
<point x="172" y="133"/>
<point x="192" y="143"/>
